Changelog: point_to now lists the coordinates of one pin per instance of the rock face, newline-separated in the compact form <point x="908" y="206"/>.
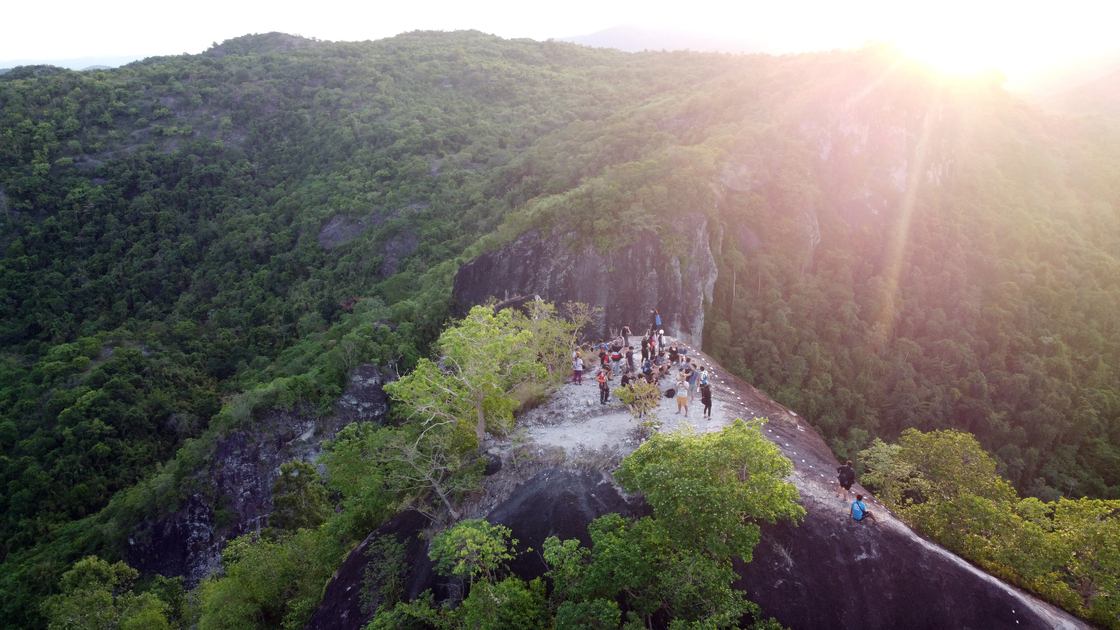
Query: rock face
<point x="827" y="573"/>
<point x="626" y="284"/>
<point x="554" y="502"/>
<point x="832" y="572"/>
<point x="244" y="465"/>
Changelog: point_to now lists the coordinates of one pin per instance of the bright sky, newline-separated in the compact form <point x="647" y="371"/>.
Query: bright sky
<point x="1017" y="37"/>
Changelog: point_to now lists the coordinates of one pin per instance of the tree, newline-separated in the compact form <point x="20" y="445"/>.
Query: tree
<point x="97" y="595"/>
<point x="473" y="549"/>
<point x="482" y="359"/>
<point x="932" y="467"/>
<point x="706" y="491"/>
<point x="299" y="499"/>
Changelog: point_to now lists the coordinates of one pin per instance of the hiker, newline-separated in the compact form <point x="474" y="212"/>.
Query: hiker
<point x="645" y="348"/>
<point x="683" y="351"/>
<point x="654" y="320"/>
<point x="616" y="360"/>
<point x="673" y="355"/>
<point x="704" y="376"/>
<point x="847" y="476"/>
<point x="604" y="386"/>
<point x="626" y="335"/>
<point x="693" y="380"/>
<point x="630" y="358"/>
<point x="661" y="339"/>
<point x="706" y="398"/>
<point x="859" y="510"/>
<point x="626" y="378"/>
<point x="605" y="361"/>
<point x="682" y="396"/>
<point x="577" y="369"/>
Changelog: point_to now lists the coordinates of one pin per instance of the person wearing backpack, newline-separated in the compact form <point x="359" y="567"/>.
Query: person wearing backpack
<point x="846" y="475"/>
<point x="577" y="369"/>
<point x="654" y="320"/>
<point x="859" y="510"/>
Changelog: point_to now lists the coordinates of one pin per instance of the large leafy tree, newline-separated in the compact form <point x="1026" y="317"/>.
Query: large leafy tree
<point x="708" y="492"/>
<point x="482" y="360"/>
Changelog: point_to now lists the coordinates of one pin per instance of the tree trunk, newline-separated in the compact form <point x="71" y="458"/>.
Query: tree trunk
<point x="480" y="427"/>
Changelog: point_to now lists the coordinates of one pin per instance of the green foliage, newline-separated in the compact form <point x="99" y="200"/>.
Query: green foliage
<point x="473" y="549"/>
<point x="706" y="491"/>
<point x="385" y="572"/>
<point x="945" y="486"/>
<point x="299" y="499"/>
<point x="640" y="397"/>
<point x="384" y="470"/>
<point x="269" y="583"/>
<point x="97" y="595"/>
<point x="709" y="488"/>
<point x="484" y="358"/>
<point x="507" y="605"/>
<point x="930" y="468"/>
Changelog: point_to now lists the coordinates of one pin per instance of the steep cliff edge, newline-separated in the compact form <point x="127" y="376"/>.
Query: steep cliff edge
<point x="827" y="573"/>
<point x="626" y="284"/>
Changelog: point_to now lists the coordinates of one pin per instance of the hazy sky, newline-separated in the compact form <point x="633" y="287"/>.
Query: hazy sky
<point x="1017" y="37"/>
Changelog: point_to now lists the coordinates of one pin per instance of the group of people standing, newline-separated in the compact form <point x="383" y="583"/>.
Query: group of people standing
<point x="658" y="356"/>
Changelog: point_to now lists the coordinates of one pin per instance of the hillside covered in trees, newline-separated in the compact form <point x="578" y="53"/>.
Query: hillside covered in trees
<point x="188" y="241"/>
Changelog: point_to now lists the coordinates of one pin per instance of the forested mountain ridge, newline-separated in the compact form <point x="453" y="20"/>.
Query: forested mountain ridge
<point x="894" y="249"/>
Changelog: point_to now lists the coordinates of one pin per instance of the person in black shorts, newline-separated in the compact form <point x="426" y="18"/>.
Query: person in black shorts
<point x="847" y="476"/>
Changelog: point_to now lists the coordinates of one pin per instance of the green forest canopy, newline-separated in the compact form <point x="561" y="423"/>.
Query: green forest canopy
<point x="895" y="250"/>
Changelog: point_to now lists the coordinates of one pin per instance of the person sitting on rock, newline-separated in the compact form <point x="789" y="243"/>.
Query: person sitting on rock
<point x="859" y="510"/>
<point x="662" y="364"/>
<point x="846" y="475"/>
<point x="626" y="378"/>
<point x="674" y="356"/>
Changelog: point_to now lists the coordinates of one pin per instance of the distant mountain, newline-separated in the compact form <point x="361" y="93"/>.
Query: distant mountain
<point x="74" y="63"/>
<point x="631" y="38"/>
<point x="1100" y="96"/>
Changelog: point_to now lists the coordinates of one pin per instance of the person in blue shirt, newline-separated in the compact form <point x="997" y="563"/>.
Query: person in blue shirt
<point x="859" y="510"/>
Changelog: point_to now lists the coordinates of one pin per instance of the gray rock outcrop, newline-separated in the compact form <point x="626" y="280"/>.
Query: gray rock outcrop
<point x="626" y="283"/>
<point x="235" y="495"/>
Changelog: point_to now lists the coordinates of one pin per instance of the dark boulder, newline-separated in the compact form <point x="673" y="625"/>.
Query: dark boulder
<point x="554" y="502"/>
<point x="626" y="283"/>
<point x="342" y="605"/>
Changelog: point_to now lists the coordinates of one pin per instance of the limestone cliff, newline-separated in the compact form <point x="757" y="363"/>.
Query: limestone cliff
<point x="626" y="284"/>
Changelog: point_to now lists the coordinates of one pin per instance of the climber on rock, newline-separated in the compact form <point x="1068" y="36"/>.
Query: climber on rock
<point x="859" y="510"/>
<point x="847" y="476"/>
